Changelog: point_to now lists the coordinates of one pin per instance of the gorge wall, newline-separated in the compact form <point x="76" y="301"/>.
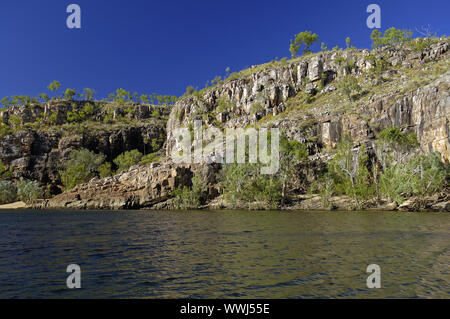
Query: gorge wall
<point x="412" y="93"/>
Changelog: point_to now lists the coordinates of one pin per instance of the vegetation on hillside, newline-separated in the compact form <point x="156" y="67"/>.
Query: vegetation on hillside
<point x="83" y="165"/>
<point x="397" y="170"/>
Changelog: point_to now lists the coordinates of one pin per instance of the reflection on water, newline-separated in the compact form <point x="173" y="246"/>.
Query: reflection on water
<point x="224" y="254"/>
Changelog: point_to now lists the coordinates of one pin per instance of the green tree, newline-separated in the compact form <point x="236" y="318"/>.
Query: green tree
<point x="44" y="97"/>
<point x="425" y="42"/>
<point x="323" y="47"/>
<point x="422" y="175"/>
<point x="225" y="104"/>
<point x="216" y="80"/>
<point x="243" y="183"/>
<point x="88" y="109"/>
<point x="80" y="115"/>
<point x="149" y="158"/>
<point x="28" y="191"/>
<point x="111" y="96"/>
<point x="81" y="167"/>
<point x="89" y="94"/>
<point x="8" y="192"/>
<point x="291" y="154"/>
<point x="69" y="94"/>
<point x="4" y="172"/>
<point x="105" y="170"/>
<point x="395" y="147"/>
<point x="394" y="36"/>
<point x="376" y="38"/>
<point x="349" y="85"/>
<point x="391" y="36"/>
<point x="4" y="130"/>
<point x="144" y="98"/>
<point x="304" y="39"/>
<point x="5" y="101"/>
<point x="125" y="160"/>
<point x="54" y="86"/>
<point x="155" y="113"/>
<point x="395" y="137"/>
<point x="349" y="171"/>
<point x="190" y="90"/>
<point x="348" y="42"/>
<point x="122" y="96"/>
<point x="190" y="197"/>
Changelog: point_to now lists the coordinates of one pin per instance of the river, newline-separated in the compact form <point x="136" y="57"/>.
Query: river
<point x="239" y="254"/>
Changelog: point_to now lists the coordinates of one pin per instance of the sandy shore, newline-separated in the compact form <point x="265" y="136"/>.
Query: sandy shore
<point x="15" y="205"/>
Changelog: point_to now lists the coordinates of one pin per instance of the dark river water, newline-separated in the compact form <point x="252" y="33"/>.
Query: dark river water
<point x="224" y="254"/>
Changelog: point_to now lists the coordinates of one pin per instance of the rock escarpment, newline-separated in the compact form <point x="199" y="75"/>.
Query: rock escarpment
<point x="139" y="187"/>
<point x="422" y="109"/>
<point x="301" y="97"/>
<point x="40" y="152"/>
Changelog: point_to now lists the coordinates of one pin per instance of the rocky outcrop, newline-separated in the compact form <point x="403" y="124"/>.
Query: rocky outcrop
<point x="139" y="187"/>
<point x="424" y="111"/>
<point x="242" y="101"/>
<point x="41" y="155"/>
<point x="39" y="152"/>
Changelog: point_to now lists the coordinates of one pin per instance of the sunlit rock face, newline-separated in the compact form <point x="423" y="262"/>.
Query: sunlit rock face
<point x="424" y="111"/>
<point x="257" y="97"/>
<point x="139" y="187"/>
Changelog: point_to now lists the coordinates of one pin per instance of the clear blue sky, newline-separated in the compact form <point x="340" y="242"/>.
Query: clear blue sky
<point x="163" y="46"/>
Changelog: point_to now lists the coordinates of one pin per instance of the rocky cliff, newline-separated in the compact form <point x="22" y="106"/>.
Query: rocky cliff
<point x="399" y="87"/>
<point x="421" y="106"/>
<point x="38" y="151"/>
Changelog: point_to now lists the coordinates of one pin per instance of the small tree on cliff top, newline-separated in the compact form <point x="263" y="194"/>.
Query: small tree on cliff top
<point x="54" y="86"/>
<point x="391" y="36"/>
<point x="69" y="94"/>
<point x="89" y="94"/>
<point x="305" y="39"/>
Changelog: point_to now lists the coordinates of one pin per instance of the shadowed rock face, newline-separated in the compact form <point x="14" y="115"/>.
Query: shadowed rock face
<point x="40" y="155"/>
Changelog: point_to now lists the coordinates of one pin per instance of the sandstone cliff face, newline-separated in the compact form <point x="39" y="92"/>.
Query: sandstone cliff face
<point x="424" y="110"/>
<point x="267" y="91"/>
<point x="139" y="187"/>
<point x="40" y="154"/>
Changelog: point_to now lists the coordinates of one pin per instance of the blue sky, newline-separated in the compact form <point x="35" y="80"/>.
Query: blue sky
<point x="164" y="46"/>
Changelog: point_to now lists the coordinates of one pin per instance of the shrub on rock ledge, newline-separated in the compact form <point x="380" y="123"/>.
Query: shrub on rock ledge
<point x="82" y="166"/>
<point x="126" y="160"/>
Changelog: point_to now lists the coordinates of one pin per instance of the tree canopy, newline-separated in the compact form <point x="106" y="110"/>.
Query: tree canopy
<point x="304" y="39"/>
